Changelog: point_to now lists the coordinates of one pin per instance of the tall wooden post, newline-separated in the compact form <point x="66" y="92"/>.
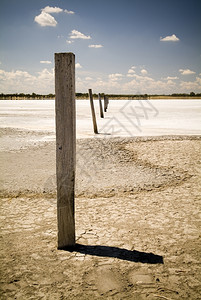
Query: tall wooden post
<point x="101" y="107"/>
<point x="93" y="111"/>
<point x="65" y="147"/>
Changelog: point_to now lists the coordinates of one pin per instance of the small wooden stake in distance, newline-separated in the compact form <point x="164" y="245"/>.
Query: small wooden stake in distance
<point x="101" y="107"/>
<point x="105" y="103"/>
<point x="93" y="111"/>
<point x="65" y="147"/>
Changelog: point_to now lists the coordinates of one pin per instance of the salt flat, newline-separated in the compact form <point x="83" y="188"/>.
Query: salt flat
<point x="123" y="118"/>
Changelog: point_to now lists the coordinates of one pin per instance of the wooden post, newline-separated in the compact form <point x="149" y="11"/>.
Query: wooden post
<point x="105" y="103"/>
<point x="93" y="111"/>
<point x="65" y="147"/>
<point x="101" y="107"/>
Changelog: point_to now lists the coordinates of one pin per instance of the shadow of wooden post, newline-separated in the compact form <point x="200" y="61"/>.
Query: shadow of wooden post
<point x="65" y="147"/>
<point x="101" y="107"/>
<point x="93" y="111"/>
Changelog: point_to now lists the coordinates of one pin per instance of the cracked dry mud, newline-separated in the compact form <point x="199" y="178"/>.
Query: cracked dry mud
<point x="137" y="221"/>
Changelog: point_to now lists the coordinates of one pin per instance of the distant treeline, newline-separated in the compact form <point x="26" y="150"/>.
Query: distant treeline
<point x="22" y="96"/>
<point x="33" y="96"/>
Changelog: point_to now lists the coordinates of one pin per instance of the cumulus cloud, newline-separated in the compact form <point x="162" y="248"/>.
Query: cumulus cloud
<point x="119" y="83"/>
<point x="198" y="80"/>
<point x="131" y="71"/>
<point x="131" y="75"/>
<point x="78" y="66"/>
<point x="45" y="19"/>
<point x="88" y="78"/>
<point x="78" y="35"/>
<point x="51" y="10"/>
<point x="69" y="12"/>
<point x="95" y="46"/>
<point x="69" y="42"/>
<point x="140" y="77"/>
<point x="144" y="78"/>
<point x="170" y="38"/>
<point x="171" y="78"/>
<point x="144" y="72"/>
<point x="170" y="82"/>
<point x="186" y="72"/>
<point x="189" y="86"/>
<point x="23" y="82"/>
<point x="46" y="74"/>
<point x="116" y="76"/>
<point x="45" y="62"/>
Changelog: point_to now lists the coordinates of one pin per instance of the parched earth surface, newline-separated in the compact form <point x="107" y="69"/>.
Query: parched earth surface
<point x="137" y="221"/>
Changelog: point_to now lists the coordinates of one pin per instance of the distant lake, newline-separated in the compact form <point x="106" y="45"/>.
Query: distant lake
<point x="123" y="118"/>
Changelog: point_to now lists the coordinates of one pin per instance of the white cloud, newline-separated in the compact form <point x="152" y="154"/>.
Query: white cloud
<point x="45" y="19"/>
<point x="45" y="74"/>
<point x="171" y="78"/>
<point x="129" y="83"/>
<point x="140" y="77"/>
<point x="50" y="10"/>
<point x="170" y="82"/>
<point x="144" y="72"/>
<point x="131" y="75"/>
<point x="22" y="82"/>
<point x="69" y="42"/>
<point x="78" y="66"/>
<point x="139" y="84"/>
<point x="45" y="62"/>
<point x="95" y="46"/>
<point x="198" y="80"/>
<point x="186" y="72"/>
<point x="69" y="12"/>
<point x="131" y="71"/>
<point x="78" y="35"/>
<point x="189" y="86"/>
<point x="170" y="38"/>
<point x="116" y="76"/>
<point x="145" y="78"/>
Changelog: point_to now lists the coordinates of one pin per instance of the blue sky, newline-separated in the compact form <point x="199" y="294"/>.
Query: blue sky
<point x="122" y="46"/>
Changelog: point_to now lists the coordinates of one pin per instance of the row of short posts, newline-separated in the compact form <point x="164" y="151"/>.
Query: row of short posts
<point x="106" y="102"/>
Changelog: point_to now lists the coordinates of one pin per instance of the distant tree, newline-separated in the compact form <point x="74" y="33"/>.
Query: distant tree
<point x="192" y="94"/>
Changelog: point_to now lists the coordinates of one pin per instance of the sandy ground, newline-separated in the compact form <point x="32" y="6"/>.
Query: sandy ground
<point x="137" y="219"/>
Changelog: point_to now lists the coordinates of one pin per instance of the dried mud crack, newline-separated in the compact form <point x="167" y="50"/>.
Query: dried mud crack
<point x="137" y="221"/>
